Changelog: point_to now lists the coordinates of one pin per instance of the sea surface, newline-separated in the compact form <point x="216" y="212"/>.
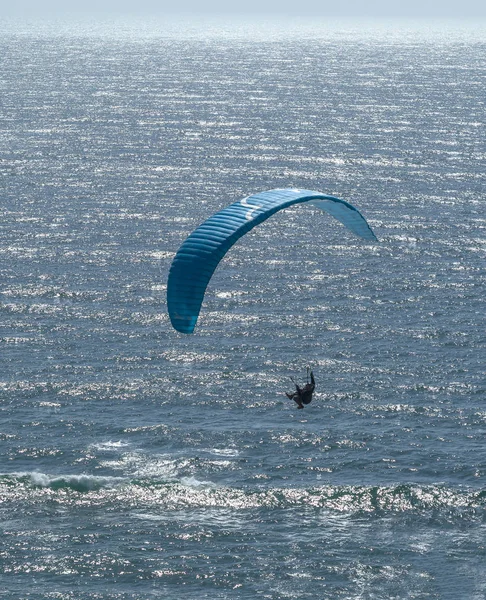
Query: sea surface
<point x="140" y="463"/>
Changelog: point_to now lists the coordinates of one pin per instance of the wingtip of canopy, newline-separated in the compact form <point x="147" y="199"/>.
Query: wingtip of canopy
<point x="183" y="324"/>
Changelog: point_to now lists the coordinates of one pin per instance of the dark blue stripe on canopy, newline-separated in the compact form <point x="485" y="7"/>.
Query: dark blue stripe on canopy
<point x="200" y="254"/>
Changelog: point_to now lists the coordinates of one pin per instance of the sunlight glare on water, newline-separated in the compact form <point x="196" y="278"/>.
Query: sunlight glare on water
<point x="141" y="463"/>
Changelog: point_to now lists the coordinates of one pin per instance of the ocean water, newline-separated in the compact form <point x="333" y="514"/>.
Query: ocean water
<point x="139" y="463"/>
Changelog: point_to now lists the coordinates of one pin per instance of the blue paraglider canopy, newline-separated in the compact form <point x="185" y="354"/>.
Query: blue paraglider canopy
<point x="200" y="254"/>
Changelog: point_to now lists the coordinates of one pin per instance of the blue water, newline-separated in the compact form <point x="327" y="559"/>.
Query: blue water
<point x="140" y="463"/>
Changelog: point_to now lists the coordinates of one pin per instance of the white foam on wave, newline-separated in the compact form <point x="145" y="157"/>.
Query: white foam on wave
<point x="110" y="445"/>
<point x="81" y="483"/>
<point x="192" y="482"/>
<point x="224" y="451"/>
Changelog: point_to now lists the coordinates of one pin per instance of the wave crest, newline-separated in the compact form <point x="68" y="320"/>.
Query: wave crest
<point x="191" y="493"/>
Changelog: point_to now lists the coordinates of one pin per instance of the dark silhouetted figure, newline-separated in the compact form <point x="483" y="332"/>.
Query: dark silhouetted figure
<point x="303" y="395"/>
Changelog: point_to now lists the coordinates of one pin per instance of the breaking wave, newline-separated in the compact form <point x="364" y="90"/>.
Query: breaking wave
<point x="36" y="480"/>
<point x="192" y="493"/>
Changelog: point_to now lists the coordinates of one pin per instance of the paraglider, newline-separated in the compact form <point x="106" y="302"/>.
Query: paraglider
<point x="200" y="254"/>
<point x="303" y="395"/>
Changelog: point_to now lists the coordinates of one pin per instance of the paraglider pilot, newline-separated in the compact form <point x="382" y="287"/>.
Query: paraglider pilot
<point x="303" y="395"/>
